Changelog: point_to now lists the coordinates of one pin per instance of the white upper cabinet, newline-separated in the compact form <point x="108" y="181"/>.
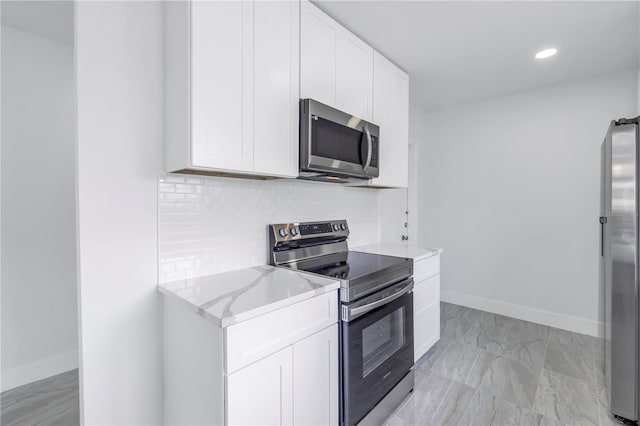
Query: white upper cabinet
<point x="354" y="76"/>
<point x="276" y="85"/>
<point x="391" y="113"/>
<point x="232" y="87"/>
<point x="336" y="67"/>
<point x="220" y="95"/>
<point x="318" y="34"/>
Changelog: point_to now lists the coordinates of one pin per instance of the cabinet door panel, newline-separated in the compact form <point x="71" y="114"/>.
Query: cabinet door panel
<point x="315" y="379"/>
<point x="262" y="393"/>
<point x="276" y="87"/>
<point x="354" y="75"/>
<point x="318" y="34"/>
<point x="221" y="64"/>
<point x="426" y="293"/>
<point x="391" y="113"/>
<point x="426" y="330"/>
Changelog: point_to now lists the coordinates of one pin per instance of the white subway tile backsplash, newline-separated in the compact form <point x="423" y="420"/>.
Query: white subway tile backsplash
<point x="213" y="224"/>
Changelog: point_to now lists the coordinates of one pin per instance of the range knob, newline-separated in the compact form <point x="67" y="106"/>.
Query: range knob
<point x="283" y="232"/>
<point x="343" y="226"/>
<point x="294" y="232"/>
<point x="336" y="227"/>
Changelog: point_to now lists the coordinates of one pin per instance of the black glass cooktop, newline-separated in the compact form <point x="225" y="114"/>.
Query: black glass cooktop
<point x="354" y="265"/>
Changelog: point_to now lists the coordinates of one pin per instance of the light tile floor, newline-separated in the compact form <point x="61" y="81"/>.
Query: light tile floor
<point x="488" y="369"/>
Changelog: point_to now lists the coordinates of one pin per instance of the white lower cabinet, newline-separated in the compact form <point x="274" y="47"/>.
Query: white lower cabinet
<point x="262" y="393"/>
<point x="280" y="368"/>
<point x="426" y="305"/>
<point x="295" y="386"/>
<point x="315" y="379"/>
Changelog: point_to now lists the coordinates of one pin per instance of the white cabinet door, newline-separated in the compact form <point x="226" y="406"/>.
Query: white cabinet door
<point x="391" y="113"/>
<point x="354" y="76"/>
<point x="276" y="87"/>
<point x="262" y="393"/>
<point x="426" y="330"/>
<point x="426" y="313"/>
<point x="315" y="379"/>
<point x="318" y="33"/>
<point x="221" y="67"/>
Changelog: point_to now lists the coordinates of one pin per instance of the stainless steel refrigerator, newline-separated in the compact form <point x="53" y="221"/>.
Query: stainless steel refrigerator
<point x="619" y="249"/>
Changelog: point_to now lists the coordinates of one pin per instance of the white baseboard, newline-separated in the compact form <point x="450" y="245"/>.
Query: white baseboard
<point x="552" y="319"/>
<point x="38" y="370"/>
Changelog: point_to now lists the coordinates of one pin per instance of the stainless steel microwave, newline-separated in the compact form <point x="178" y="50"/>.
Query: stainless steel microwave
<point x="336" y="146"/>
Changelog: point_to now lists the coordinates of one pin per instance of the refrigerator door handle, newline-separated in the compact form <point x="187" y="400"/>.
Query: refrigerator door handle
<point x="603" y="221"/>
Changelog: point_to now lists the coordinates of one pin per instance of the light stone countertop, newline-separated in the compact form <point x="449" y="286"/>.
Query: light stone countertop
<point x="400" y="250"/>
<point x="232" y="297"/>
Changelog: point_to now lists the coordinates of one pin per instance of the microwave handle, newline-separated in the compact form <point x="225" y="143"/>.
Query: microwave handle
<point x="369" y="149"/>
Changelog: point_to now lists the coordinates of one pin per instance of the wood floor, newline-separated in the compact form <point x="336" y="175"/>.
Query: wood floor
<point x="51" y="401"/>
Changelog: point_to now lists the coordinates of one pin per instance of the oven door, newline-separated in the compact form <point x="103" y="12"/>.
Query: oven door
<point x="335" y="142"/>
<point x="377" y="348"/>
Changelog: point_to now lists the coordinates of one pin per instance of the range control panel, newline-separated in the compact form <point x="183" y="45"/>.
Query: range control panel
<point x="284" y="232"/>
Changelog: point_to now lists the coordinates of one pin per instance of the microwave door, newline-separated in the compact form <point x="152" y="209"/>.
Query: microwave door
<point x="337" y="147"/>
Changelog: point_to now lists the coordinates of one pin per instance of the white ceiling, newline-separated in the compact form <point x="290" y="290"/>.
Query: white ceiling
<point x="461" y="52"/>
<point x="50" y="19"/>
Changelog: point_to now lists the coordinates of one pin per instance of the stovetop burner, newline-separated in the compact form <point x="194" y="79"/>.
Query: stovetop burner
<point x="357" y="265"/>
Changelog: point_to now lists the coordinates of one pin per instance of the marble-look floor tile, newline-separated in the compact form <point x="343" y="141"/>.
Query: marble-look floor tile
<point x="432" y="356"/>
<point x="546" y="421"/>
<point x="511" y="380"/>
<point x="450" y="310"/>
<point x="464" y="363"/>
<point x="483" y="319"/>
<point x="394" y="420"/>
<point x="437" y="401"/>
<point x="574" y="339"/>
<point x="604" y="414"/>
<point x="566" y="399"/>
<point x="527" y="330"/>
<point x="598" y="361"/>
<point x="428" y="393"/>
<point x="527" y="343"/>
<point x="570" y="354"/>
<point x="452" y="407"/>
<point x="486" y="409"/>
<point x="488" y="338"/>
<point x="454" y="327"/>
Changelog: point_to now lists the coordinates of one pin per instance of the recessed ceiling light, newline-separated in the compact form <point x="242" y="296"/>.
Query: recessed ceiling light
<point x="546" y="53"/>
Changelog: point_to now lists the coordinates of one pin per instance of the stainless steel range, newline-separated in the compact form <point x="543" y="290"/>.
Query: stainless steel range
<point x="376" y="362"/>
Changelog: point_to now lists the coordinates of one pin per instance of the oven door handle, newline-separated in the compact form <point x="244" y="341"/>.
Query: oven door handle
<point x="399" y="290"/>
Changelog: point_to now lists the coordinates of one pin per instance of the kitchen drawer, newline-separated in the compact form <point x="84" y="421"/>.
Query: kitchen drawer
<point x="426" y="293"/>
<point x="426" y="330"/>
<point x="426" y="268"/>
<point x="254" y="339"/>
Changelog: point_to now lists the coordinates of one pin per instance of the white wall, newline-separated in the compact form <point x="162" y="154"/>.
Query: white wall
<point x="119" y="100"/>
<point x="210" y="224"/>
<point x="510" y="189"/>
<point x="39" y="311"/>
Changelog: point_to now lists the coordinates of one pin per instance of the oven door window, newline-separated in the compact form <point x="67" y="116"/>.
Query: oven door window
<point x="382" y="339"/>
<point x="377" y="354"/>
